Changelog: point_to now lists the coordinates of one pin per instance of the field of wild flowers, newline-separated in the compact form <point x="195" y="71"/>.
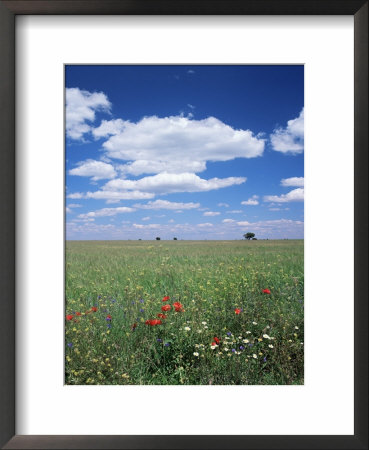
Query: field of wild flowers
<point x="184" y="312"/>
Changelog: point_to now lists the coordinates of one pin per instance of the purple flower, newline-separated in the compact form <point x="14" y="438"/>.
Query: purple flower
<point x="265" y="359"/>
<point x="159" y="340"/>
<point x="113" y="301"/>
<point x="99" y="296"/>
<point x="142" y="310"/>
<point x="141" y="300"/>
<point x="109" y="325"/>
<point x="70" y="345"/>
<point x="167" y="344"/>
<point x="242" y="347"/>
<point x="229" y="333"/>
<point x="233" y="350"/>
<point x="250" y="345"/>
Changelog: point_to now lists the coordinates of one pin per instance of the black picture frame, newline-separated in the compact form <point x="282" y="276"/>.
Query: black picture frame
<point x="8" y="12"/>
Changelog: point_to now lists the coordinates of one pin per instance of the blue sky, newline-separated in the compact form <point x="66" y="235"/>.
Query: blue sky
<point x="186" y="151"/>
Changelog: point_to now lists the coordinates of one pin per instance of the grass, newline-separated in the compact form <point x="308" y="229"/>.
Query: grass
<point x="127" y="280"/>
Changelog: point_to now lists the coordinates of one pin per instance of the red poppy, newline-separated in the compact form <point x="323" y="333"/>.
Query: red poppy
<point x="94" y="309"/>
<point x="213" y="343"/>
<point x="162" y="316"/>
<point x="108" y="317"/>
<point x="69" y="317"/>
<point x="178" y="307"/>
<point x="266" y="291"/>
<point x="153" y="322"/>
<point x="78" y="313"/>
<point x="166" y="308"/>
<point x="216" y="340"/>
<point x="237" y="311"/>
<point x="166" y="298"/>
<point x="134" y="326"/>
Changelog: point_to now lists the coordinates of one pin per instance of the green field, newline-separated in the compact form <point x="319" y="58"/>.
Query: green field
<point x="220" y="286"/>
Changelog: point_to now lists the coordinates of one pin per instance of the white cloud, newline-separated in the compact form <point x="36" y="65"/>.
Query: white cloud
<point x="204" y="225"/>
<point x="107" y="212"/>
<point x="112" y="196"/>
<point x="291" y="138"/>
<point x="98" y="170"/>
<point x="243" y="224"/>
<point x="293" y="182"/>
<point x="296" y="195"/>
<point x="168" y="140"/>
<point x="235" y="211"/>
<point x="68" y="210"/>
<point x="165" y="183"/>
<point x="228" y="220"/>
<point x="146" y="218"/>
<point x="165" y="204"/>
<point x="223" y="204"/>
<point x="211" y="213"/>
<point x="80" y="108"/>
<point x="149" y="226"/>
<point x="74" y="205"/>
<point x="251" y="201"/>
<point x="109" y="128"/>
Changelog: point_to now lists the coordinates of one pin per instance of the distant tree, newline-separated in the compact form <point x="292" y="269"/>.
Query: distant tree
<point x="140" y="239"/>
<point x="174" y="239"/>
<point x="157" y="238"/>
<point x="254" y="239"/>
<point x="249" y="236"/>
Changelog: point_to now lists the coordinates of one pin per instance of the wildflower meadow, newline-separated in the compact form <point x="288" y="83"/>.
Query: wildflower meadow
<point x="184" y="312"/>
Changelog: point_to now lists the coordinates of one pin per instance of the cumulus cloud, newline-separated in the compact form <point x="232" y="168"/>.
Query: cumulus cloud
<point x="211" y="213"/>
<point x="223" y="204"/>
<point x="109" y="128"/>
<point x="97" y="170"/>
<point x="112" y="196"/>
<point x="243" y="224"/>
<point x="80" y="108"/>
<point x="106" y="212"/>
<point x="228" y="220"/>
<point x="293" y="182"/>
<point x="251" y="201"/>
<point x="74" y="205"/>
<point x="291" y="138"/>
<point x="149" y="226"/>
<point x="166" y="183"/>
<point x="203" y="225"/>
<point x="167" y="140"/>
<point x="296" y="195"/>
<point x="235" y="211"/>
<point x="165" y="204"/>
